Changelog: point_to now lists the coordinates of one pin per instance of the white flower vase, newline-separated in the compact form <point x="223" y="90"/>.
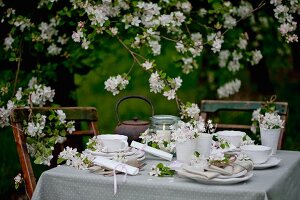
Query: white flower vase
<point x="204" y="142"/>
<point x="185" y="150"/>
<point x="270" y="138"/>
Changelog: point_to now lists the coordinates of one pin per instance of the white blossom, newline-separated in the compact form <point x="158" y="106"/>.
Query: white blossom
<point x="242" y="43"/>
<point x="22" y="23"/>
<point x="61" y="116"/>
<point x="116" y="83"/>
<point x="114" y="30"/>
<point x="229" y="88"/>
<point x="155" y="47"/>
<point x="184" y="131"/>
<point x="180" y="47"/>
<point x="19" y="94"/>
<point x="48" y="30"/>
<point x="229" y="21"/>
<point x="217" y="42"/>
<point x="165" y="20"/>
<point x="155" y="171"/>
<point x="54" y="50"/>
<point x="85" y="43"/>
<point x="41" y="95"/>
<point x="256" y="57"/>
<point x="147" y="65"/>
<point x="170" y="94"/>
<point x="156" y="83"/>
<point x="191" y="111"/>
<point x="8" y="41"/>
<point x="32" y="82"/>
<point x="76" y="36"/>
<point x="245" y="9"/>
<point x="176" y="83"/>
<point x="223" y="57"/>
<point x="270" y="121"/>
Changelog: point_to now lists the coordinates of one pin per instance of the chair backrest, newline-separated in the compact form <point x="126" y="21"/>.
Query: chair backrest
<point x="18" y="115"/>
<point x="211" y="107"/>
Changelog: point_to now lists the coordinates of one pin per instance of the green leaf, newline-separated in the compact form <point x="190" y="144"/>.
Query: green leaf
<point x="60" y="160"/>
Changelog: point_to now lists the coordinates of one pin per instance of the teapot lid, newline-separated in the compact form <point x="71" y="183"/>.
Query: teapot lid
<point x="135" y="121"/>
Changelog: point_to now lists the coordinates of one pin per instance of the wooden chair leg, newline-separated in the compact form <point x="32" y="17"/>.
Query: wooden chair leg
<point x="28" y="174"/>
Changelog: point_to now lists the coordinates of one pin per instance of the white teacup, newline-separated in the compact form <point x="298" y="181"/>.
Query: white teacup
<point x="257" y="153"/>
<point x="114" y="143"/>
<point x="234" y="137"/>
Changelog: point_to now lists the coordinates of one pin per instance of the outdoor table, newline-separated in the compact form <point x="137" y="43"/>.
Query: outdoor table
<point x="63" y="182"/>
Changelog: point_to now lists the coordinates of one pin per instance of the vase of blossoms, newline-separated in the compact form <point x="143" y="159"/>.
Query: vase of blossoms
<point x="270" y="126"/>
<point x="204" y="139"/>
<point x="184" y="136"/>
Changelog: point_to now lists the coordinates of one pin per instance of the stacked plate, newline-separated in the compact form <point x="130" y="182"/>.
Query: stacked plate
<point x="205" y="177"/>
<point x="128" y="153"/>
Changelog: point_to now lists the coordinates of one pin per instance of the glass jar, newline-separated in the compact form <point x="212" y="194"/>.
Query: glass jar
<point x="160" y="125"/>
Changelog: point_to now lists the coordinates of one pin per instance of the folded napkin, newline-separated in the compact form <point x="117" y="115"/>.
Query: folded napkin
<point x="151" y="150"/>
<point x="212" y="171"/>
<point x="118" y="166"/>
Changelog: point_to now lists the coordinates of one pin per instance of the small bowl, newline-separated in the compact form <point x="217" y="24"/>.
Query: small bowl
<point x="257" y="153"/>
<point x="234" y="137"/>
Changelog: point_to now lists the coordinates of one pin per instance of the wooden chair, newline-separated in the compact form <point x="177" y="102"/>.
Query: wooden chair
<point x="214" y="107"/>
<point x="18" y="115"/>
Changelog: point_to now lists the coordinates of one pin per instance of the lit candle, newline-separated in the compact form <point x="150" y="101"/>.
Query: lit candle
<point x="165" y="134"/>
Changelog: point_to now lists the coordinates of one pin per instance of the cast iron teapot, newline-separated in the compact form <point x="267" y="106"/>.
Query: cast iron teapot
<point x="132" y="128"/>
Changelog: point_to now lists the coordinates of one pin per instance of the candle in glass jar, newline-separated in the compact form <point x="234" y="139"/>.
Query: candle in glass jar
<point x="165" y="134"/>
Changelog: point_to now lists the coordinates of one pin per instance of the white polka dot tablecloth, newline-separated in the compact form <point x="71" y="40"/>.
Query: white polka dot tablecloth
<point x="280" y="182"/>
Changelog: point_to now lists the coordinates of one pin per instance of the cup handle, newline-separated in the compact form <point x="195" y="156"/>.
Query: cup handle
<point x="124" y="145"/>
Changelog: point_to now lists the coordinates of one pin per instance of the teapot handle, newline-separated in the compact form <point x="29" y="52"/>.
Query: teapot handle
<point x="131" y="97"/>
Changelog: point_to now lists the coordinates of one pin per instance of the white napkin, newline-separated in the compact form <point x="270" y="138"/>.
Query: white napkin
<point x="114" y="165"/>
<point x="214" y="171"/>
<point x="151" y="150"/>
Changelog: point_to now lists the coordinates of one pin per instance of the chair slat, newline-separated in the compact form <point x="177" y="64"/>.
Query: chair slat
<point x="217" y="105"/>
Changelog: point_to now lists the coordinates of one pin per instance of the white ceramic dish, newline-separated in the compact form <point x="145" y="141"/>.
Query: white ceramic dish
<point x="234" y="137"/>
<point x="215" y="181"/>
<point x="258" y="153"/>
<point x="127" y="152"/>
<point x="237" y="175"/>
<point x="272" y="162"/>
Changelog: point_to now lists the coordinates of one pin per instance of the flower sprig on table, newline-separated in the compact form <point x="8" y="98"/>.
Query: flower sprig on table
<point x="161" y="170"/>
<point x="219" y="159"/>
<point x="75" y="159"/>
<point x="43" y="132"/>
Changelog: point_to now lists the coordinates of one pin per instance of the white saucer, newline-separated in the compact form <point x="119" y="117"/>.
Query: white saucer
<point x="273" y="161"/>
<point x="140" y="155"/>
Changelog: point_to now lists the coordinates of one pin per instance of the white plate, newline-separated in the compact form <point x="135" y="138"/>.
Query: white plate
<point x="237" y="175"/>
<point x="129" y="152"/>
<point x="214" y="181"/>
<point x="273" y="161"/>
